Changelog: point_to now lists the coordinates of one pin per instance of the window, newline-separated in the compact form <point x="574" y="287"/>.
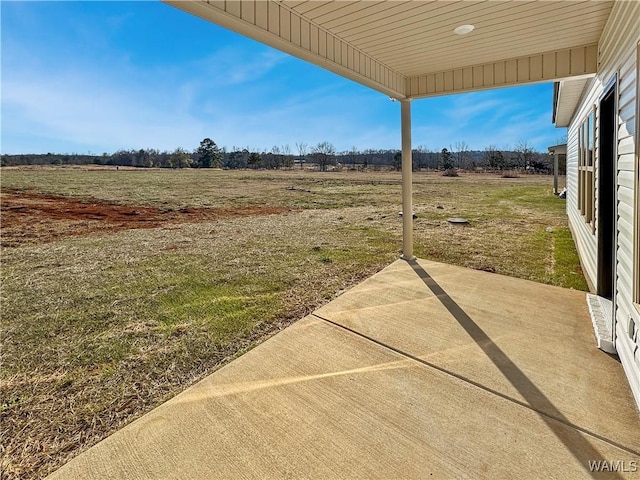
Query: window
<point x="586" y="177"/>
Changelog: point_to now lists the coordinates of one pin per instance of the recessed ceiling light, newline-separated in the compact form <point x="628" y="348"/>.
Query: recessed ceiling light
<point x="463" y="29"/>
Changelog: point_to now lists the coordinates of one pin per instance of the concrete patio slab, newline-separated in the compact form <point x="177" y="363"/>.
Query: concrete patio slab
<point x="390" y="380"/>
<point x="528" y="341"/>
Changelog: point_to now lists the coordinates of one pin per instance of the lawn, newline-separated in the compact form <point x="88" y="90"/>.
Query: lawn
<point x="105" y="316"/>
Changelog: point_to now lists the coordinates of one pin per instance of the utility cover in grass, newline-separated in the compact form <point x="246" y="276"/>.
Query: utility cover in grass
<point x="459" y="221"/>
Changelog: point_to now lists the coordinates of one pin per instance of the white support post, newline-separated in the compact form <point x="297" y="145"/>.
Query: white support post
<point x="407" y="167"/>
<point x="555" y="173"/>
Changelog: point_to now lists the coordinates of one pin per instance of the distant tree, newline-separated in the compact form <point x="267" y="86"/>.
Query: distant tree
<point x="541" y="163"/>
<point x="446" y="160"/>
<point x="421" y="156"/>
<point x="494" y="158"/>
<point x="161" y="159"/>
<point x="144" y="158"/>
<point x="237" y="158"/>
<point x="511" y="161"/>
<point x="118" y="158"/>
<point x="287" y="158"/>
<point x="152" y="157"/>
<point x="524" y="155"/>
<point x="303" y="148"/>
<point x="351" y="156"/>
<point x="276" y="158"/>
<point x="397" y="161"/>
<point x="461" y="151"/>
<point x="208" y="154"/>
<point x="255" y="160"/>
<point x="180" y="159"/>
<point x="323" y="153"/>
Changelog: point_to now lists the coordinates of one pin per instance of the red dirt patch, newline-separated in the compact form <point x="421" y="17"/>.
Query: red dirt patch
<point x="28" y="218"/>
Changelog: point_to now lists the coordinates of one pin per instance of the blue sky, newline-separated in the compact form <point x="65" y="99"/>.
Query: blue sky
<point x="81" y="77"/>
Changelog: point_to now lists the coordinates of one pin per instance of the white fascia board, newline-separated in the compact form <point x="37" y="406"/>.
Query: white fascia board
<point x="262" y="20"/>
<point x="574" y="62"/>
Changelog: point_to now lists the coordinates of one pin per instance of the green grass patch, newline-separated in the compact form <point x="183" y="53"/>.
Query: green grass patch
<point x="567" y="270"/>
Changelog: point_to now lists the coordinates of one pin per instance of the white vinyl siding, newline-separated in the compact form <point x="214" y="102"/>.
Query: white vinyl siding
<point x="626" y="36"/>
<point x="636" y="200"/>
<point x="627" y="269"/>
<point x="618" y="56"/>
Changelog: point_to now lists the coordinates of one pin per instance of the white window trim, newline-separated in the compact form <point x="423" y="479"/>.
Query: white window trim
<point x="586" y="172"/>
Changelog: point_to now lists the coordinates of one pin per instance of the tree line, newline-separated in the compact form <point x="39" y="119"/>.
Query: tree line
<point x="322" y="156"/>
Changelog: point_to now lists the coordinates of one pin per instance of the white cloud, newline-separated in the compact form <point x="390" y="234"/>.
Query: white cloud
<point x="82" y="111"/>
<point x="102" y="112"/>
<point x="230" y="67"/>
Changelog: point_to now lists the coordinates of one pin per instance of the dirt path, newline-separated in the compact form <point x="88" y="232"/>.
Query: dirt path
<point x="28" y="218"/>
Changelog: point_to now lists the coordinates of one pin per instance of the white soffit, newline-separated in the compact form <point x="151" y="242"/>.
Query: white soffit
<point x="409" y="48"/>
<point x="569" y="94"/>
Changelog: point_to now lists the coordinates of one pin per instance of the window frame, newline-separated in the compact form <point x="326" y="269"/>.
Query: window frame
<point x="586" y="168"/>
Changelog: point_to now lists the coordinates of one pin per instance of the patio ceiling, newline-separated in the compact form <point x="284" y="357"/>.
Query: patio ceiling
<point x="407" y="49"/>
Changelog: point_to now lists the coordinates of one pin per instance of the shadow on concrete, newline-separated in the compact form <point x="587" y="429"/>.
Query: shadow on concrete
<point x="563" y="429"/>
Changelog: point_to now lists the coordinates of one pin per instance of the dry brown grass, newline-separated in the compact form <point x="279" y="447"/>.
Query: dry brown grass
<point x="99" y="329"/>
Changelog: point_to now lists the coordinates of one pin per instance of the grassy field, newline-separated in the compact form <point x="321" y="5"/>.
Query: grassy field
<point x="101" y="326"/>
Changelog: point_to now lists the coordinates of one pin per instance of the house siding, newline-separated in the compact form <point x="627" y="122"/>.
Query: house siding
<point x="583" y="234"/>
<point x="617" y="56"/>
